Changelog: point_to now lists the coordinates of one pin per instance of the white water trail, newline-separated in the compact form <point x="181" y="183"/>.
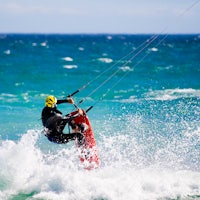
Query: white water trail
<point x="57" y="174"/>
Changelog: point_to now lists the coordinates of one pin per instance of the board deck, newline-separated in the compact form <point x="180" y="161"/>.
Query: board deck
<point x="88" y="150"/>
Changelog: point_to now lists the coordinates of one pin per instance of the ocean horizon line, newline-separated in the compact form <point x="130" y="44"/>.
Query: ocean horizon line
<point x="103" y="33"/>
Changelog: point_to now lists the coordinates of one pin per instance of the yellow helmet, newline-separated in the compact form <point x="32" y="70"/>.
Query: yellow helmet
<point x="50" y="101"/>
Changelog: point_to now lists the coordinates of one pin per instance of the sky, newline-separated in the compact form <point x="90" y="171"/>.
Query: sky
<point x="100" y="16"/>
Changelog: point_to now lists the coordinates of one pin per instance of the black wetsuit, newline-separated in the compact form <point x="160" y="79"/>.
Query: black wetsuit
<point x="53" y="120"/>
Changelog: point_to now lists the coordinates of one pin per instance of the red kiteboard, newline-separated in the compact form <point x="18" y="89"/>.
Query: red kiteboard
<point x="88" y="150"/>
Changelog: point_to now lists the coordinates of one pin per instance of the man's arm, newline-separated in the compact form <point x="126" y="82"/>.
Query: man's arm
<point x="68" y="100"/>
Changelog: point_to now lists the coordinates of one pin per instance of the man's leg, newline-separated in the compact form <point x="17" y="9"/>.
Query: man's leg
<point x="65" y="138"/>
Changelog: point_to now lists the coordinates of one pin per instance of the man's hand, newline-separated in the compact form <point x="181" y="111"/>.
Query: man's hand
<point x="80" y="111"/>
<point x="70" y="100"/>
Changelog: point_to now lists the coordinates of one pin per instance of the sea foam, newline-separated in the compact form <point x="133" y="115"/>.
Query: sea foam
<point x="27" y="168"/>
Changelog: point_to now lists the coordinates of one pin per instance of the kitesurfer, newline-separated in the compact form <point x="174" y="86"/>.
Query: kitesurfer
<point x="54" y="122"/>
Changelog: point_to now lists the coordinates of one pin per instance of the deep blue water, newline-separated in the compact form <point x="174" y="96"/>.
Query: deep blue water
<point x="146" y="98"/>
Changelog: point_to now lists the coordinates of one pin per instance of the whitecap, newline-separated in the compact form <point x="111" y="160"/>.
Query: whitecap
<point x="109" y="37"/>
<point x="126" y="68"/>
<point x="154" y="49"/>
<point x="19" y="84"/>
<point x="170" y="45"/>
<point x="25" y="96"/>
<point x="81" y="49"/>
<point x="104" y="54"/>
<point x="43" y="44"/>
<point x="34" y="44"/>
<point x="117" y="97"/>
<point x="7" y="52"/>
<point x="70" y="66"/>
<point x="105" y="60"/>
<point x="68" y="59"/>
<point x="171" y="94"/>
<point x="8" y="97"/>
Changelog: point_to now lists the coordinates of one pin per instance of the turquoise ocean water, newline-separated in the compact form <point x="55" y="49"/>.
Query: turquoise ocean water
<point x="146" y="116"/>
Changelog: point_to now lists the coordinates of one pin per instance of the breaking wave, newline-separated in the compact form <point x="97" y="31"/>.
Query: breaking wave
<point x="134" y="165"/>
